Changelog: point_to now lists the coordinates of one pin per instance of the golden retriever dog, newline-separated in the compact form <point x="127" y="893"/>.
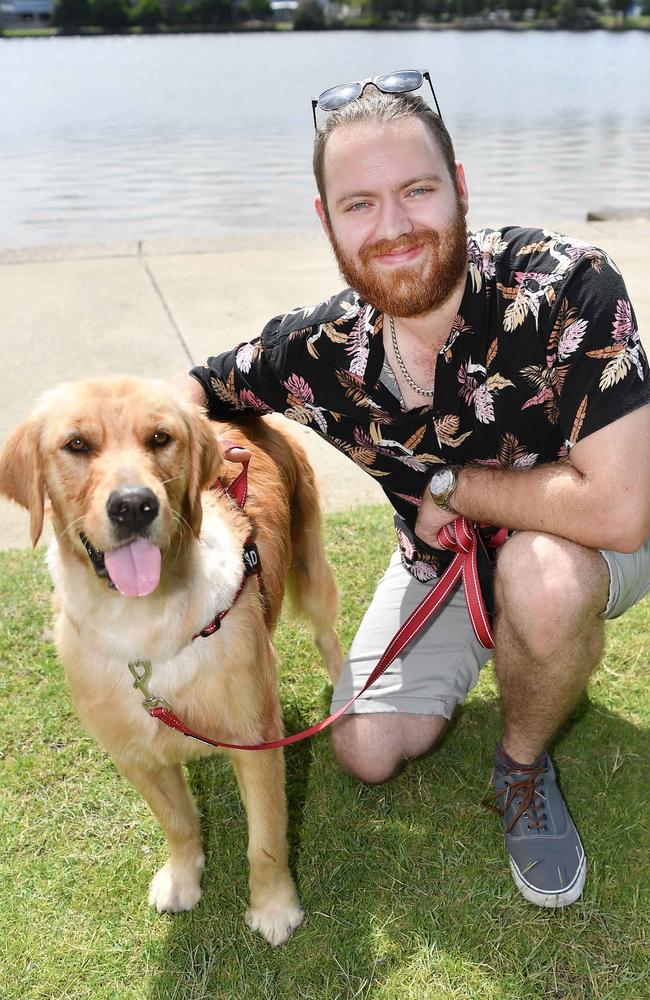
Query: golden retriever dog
<point x="127" y="465"/>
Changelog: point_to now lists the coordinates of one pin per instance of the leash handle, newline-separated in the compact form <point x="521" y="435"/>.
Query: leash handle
<point x="463" y="538"/>
<point x="237" y="490"/>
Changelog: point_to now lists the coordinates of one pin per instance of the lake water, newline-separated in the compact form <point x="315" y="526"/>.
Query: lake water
<point x="201" y="135"/>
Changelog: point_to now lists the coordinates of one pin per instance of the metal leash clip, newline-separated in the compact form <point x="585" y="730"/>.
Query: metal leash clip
<point x="141" y="673"/>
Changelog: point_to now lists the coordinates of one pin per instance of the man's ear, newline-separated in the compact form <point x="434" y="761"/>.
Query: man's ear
<point x="461" y="187"/>
<point x="22" y="477"/>
<point x="206" y="464"/>
<point x="321" y="212"/>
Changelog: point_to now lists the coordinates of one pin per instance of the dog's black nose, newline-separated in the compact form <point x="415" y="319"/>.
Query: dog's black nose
<point x="132" y="507"/>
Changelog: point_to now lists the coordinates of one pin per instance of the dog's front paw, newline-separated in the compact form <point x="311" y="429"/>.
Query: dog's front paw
<point x="174" y="888"/>
<point x="275" y="920"/>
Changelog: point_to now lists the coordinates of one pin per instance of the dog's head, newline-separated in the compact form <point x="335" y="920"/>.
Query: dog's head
<point x="123" y="461"/>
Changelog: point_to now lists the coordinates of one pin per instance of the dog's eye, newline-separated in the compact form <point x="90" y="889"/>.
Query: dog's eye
<point x="160" y="439"/>
<point x="77" y="445"/>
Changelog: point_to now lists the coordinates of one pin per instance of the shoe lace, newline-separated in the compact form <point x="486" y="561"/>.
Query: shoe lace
<point x="531" y="800"/>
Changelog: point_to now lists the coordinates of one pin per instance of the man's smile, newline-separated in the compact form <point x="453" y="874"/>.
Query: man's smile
<point x="400" y="256"/>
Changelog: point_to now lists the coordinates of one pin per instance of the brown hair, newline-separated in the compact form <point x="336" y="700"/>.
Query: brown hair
<point x="375" y="106"/>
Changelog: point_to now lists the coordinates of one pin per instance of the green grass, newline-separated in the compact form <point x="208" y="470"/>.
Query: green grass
<point x="405" y="886"/>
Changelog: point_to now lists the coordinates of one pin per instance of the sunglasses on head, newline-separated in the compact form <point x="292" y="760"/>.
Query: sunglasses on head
<point x="402" y="81"/>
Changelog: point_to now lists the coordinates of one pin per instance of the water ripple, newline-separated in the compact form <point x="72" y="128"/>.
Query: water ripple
<point x="129" y="138"/>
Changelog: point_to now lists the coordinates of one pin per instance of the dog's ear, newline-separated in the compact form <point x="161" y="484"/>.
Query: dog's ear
<point x="22" y="477"/>
<point x="206" y="464"/>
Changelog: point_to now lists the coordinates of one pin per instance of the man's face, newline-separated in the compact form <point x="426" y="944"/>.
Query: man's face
<point x="395" y="217"/>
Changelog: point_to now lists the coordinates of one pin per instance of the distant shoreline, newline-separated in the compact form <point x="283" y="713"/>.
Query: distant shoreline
<point x="291" y="240"/>
<point x="515" y="27"/>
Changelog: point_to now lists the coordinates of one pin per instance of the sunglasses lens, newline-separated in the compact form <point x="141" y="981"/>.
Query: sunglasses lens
<point x="337" y="97"/>
<point x="401" y="82"/>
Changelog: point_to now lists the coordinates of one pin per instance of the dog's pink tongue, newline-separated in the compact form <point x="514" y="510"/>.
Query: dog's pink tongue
<point x="135" y="568"/>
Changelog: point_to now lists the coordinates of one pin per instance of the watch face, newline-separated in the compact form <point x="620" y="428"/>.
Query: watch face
<point x="441" y="481"/>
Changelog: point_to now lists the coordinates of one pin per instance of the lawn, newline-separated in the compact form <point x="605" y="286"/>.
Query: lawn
<point x="405" y="886"/>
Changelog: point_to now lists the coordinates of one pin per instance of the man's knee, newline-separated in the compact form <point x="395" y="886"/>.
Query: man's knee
<point x="544" y="582"/>
<point x="375" y="747"/>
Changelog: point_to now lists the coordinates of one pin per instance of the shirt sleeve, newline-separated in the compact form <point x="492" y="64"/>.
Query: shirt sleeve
<point x="247" y="378"/>
<point x="600" y="368"/>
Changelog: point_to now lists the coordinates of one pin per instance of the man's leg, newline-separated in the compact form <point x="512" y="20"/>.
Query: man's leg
<point x="408" y="710"/>
<point x="551" y="594"/>
<point x="376" y="747"/>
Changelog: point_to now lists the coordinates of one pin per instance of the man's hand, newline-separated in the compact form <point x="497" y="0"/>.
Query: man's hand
<point x="431" y="519"/>
<point x="235" y="453"/>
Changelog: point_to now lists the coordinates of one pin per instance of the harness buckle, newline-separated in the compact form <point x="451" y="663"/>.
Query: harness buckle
<point x="141" y="673"/>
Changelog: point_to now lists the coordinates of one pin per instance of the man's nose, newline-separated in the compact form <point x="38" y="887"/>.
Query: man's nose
<point x="394" y="220"/>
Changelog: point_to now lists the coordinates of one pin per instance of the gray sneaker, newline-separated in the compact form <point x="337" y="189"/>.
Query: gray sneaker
<point x="547" y="859"/>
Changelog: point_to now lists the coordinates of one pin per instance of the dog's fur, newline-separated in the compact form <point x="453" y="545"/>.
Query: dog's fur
<point x="223" y="686"/>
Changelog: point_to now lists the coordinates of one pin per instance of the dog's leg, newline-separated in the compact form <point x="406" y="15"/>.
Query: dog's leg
<point x="177" y="885"/>
<point x="274" y="908"/>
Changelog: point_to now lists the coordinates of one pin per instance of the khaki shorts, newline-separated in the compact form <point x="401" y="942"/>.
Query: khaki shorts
<point x="442" y="664"/>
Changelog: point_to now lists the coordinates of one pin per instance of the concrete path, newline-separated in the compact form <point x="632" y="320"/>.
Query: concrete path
<point x="155" y="308"/>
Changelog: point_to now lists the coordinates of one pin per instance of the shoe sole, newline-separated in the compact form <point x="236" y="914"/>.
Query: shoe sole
<point x="553" y="900"/>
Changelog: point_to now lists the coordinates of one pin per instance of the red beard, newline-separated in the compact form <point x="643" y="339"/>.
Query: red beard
<point x="412" y="290"/>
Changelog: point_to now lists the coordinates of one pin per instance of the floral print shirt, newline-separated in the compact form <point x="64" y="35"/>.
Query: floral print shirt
<point x="544" y="351"/>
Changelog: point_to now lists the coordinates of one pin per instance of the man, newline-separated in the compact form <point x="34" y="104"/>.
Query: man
<point x="497" y="375"/>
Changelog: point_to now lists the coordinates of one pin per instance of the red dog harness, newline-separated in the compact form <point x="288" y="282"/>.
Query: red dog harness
<point x="237" y="491"/>
<point x="471" y="564"/>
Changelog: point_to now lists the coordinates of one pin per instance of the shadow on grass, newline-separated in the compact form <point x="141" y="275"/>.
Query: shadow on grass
<point x="406" y="888"/>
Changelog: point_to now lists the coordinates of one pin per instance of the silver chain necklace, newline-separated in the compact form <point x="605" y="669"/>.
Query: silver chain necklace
<point x="402" y="366"/>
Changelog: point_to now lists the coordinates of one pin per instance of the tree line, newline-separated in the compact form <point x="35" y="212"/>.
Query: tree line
<point x="119" y="15"/>
<point x="150" y="15"/>
<point x="555" y="11"/>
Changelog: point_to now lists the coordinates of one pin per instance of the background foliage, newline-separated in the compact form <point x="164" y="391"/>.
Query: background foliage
<point x="118" y="15"/>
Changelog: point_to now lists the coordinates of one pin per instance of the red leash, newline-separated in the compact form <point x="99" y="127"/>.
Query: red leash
<point x="470" y="562"/>
<point x="463" y="538"/>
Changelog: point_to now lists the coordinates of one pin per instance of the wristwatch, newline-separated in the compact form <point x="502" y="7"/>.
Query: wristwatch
<point x="442" y="484"/>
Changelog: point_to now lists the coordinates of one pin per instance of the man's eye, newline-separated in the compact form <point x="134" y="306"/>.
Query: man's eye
<point x="77" y="445"/>
<point x="357" y="206"/>
<point x="160" y="439"/>
<point x="418" y="191"/>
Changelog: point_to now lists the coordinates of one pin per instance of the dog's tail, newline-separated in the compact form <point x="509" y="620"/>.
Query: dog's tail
<point x="311" y="586"/>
